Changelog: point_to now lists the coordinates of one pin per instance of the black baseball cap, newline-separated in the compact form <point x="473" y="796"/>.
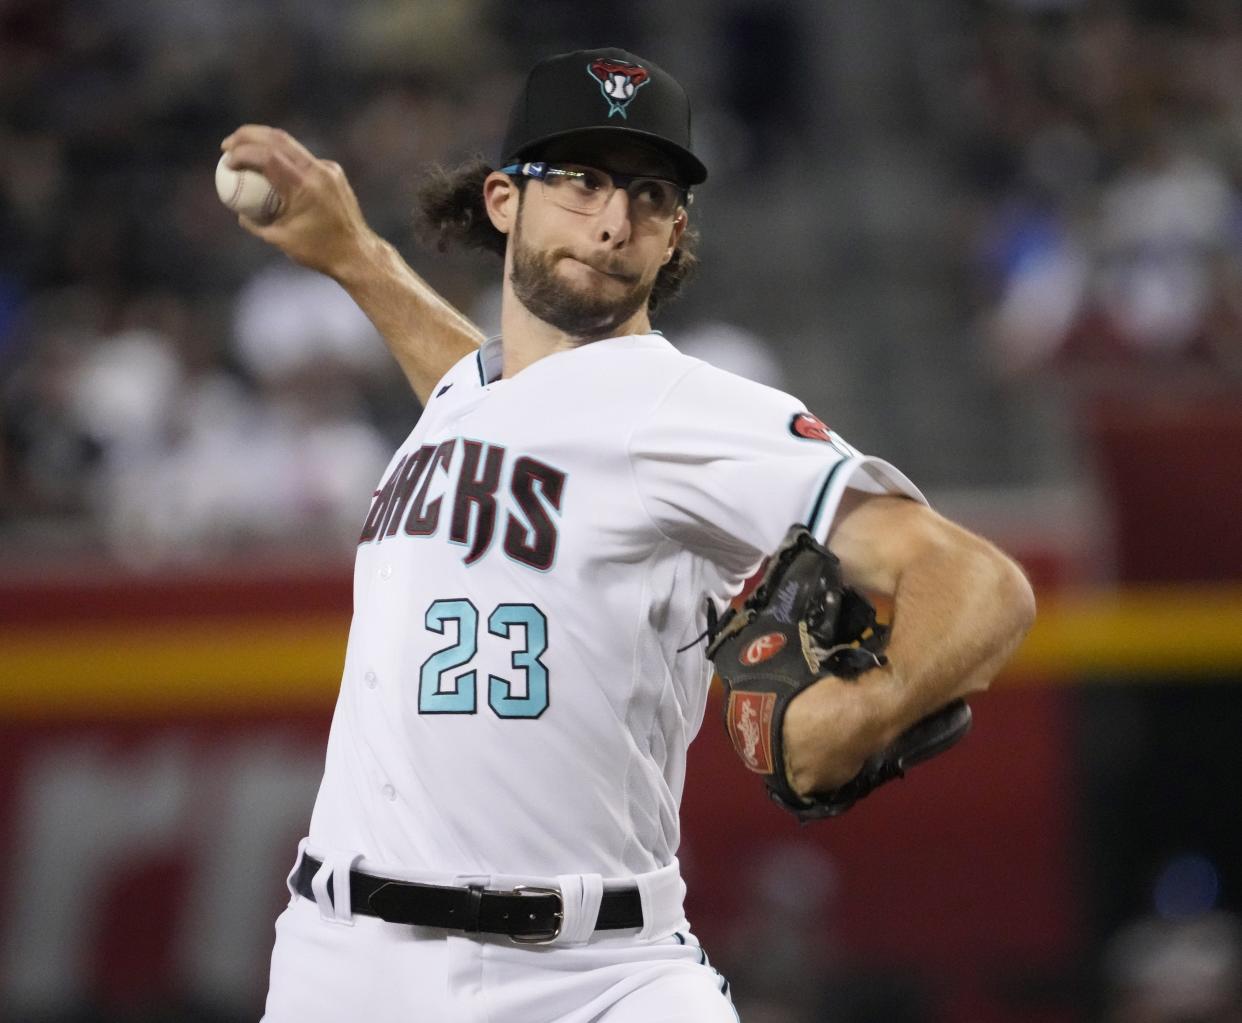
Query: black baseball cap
<point x="606" y="94"/>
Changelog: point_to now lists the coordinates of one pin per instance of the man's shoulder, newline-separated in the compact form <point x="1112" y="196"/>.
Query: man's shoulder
<point x="705" y="386"/>
<point x="656" y="363"/>
<point x="620" y="369"/>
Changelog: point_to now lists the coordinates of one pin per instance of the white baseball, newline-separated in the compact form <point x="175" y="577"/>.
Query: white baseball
<point x="247" y="192"/>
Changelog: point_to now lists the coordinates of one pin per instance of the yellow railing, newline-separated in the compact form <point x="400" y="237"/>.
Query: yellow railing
<point x="282" y="662"/>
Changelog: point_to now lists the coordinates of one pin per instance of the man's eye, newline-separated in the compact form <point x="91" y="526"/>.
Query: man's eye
<point x="654" y="194"/>
<point x="590" y="181"/>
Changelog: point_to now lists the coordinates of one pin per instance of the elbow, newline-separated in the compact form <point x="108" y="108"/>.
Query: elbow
<point x="1006" y="598"/>
<point x="1019" y="596"/>
<point x="1013" y="602"/>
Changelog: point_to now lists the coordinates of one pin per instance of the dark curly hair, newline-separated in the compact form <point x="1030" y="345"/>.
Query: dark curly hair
<point x="450" y="211"/>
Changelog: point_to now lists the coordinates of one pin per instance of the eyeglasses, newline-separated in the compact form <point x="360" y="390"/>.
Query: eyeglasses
<point x="588" y="189"/>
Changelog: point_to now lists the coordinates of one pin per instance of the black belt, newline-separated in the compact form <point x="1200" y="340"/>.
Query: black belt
<point x="526" y="914"/>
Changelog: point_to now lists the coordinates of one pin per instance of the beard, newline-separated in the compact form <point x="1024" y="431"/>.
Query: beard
<point x="578" y="310"/>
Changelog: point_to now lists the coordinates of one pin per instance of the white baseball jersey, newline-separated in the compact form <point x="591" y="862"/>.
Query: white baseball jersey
<point x="539" y="551"/>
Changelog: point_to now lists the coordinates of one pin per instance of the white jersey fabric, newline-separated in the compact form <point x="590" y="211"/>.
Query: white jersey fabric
<point x="514" y="700"/>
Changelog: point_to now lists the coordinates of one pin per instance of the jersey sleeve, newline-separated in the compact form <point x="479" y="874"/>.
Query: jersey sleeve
<point x="725" y="466"/>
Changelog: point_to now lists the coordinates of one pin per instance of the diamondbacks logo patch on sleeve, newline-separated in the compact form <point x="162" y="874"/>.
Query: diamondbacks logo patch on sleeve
<point x="750" y="728"/>
<point x="810" y="427"/>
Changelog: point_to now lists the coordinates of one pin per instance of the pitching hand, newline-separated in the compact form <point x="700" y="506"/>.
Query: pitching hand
<point x="320" y="224"/>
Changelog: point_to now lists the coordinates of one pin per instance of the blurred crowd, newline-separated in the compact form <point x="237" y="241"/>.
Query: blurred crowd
<point x="172" y="390"/>
<point x="1104" y="149"/>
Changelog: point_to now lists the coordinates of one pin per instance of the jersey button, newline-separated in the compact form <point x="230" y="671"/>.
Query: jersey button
<point x="385" y="572"/>
<point x="389" y="793"/>
<point x="372" y="679"/>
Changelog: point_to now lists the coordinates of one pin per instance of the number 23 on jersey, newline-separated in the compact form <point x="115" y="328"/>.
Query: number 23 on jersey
<point x="443" y="689"/>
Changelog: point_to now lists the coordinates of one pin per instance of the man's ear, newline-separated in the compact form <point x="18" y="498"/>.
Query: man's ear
<point x="501" y="196"/>
<point x="680" y="223"/>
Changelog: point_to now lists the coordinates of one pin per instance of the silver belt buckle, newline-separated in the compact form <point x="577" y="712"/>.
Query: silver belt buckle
<point x="544" y="938"/>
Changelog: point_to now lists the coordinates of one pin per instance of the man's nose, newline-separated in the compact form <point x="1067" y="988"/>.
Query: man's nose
<point x="613" y="221"/>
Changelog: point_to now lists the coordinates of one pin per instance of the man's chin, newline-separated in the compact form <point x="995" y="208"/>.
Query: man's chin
<point x="585" y="321"/>
<point x="573" y="296"/>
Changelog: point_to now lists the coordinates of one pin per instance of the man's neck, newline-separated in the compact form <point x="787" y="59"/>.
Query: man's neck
<point x="526" y="339"/>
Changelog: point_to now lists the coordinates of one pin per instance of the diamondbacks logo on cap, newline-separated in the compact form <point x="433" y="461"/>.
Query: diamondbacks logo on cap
<point x="618" y="81"/>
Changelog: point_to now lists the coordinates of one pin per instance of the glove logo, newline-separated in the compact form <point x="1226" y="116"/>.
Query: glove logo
<point x="750" y="728"/>
<point x="783" y="603"/>
<point x="759" y="650"/>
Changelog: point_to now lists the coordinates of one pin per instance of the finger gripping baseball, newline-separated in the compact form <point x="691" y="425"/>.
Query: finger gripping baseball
<point x="800" y="624"/>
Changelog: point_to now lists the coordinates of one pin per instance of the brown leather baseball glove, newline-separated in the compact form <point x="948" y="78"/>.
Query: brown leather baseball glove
<point x="800" y="624"/>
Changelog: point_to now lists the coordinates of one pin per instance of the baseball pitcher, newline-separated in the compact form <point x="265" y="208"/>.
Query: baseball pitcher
<point x="542" y="568"/>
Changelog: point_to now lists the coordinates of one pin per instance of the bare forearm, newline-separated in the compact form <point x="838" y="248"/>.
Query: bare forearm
<point x="960" y="609"/>
<point x="959" y="614"/>
<point x="425" y="334"/>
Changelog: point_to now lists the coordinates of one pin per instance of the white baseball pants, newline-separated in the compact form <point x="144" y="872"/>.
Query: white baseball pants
<point x="331" y="966"/>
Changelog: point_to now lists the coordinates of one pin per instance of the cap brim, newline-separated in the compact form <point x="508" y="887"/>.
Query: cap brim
<point x="691" y="169"/>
